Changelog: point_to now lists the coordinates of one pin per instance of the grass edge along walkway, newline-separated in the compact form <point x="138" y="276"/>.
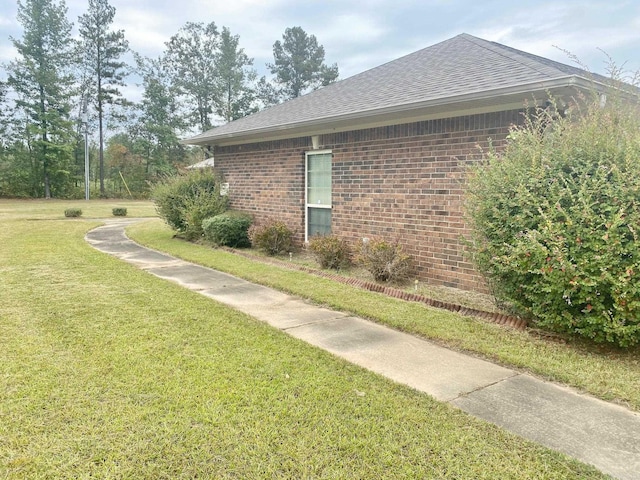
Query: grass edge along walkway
<point x="607" y="373"/>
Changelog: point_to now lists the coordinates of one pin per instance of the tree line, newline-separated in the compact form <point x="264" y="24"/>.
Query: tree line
<point x="61" y="90"/>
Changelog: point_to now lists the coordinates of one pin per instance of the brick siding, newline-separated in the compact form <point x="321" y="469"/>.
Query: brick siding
<point x="402" y="182"/>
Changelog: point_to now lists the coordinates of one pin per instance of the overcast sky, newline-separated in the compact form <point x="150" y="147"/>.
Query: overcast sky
<point x="358" y="35"/>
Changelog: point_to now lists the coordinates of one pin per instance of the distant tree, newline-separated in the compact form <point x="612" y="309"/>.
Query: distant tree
<point x="159" y="123"/>
<point x="103" y="49"/>
<point x="299" y="64"/>
<point x="42" y="81"/>
<point x="267" y="93"/>
<point x="20" y="172"/>
<point x="4" y="117"/>
<point x="235" y="96"/>
<point x="191" y="59"/>
<point x="126" y="169"/>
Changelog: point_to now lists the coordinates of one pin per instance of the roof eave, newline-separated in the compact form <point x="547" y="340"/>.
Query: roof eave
<point x="457" y="105"/>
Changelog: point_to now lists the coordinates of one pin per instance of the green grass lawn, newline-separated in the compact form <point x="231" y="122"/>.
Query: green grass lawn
<point x="609" y="373"/>
<point x="54" y="209"/>
<point x="109" y="372"/>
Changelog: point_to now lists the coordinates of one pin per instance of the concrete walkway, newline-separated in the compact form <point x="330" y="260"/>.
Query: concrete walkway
<point x="595" y="432"/>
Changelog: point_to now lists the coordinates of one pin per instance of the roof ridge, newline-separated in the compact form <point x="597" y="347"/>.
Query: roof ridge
<point x="524" y="58"/>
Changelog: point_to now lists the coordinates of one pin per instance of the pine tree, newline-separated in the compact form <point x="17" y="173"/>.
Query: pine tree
<point x="235" y="97"/>
<point x="103" y="49"/>
<point x="159" y="123"/>
<point x="42" y="81"/>
<point x="299" y="64"/>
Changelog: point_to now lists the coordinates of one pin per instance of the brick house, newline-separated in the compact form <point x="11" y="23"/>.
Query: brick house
<point x="384" y="153"/>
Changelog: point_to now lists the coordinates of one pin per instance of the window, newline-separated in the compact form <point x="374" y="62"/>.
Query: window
<point x="318" y="193"/>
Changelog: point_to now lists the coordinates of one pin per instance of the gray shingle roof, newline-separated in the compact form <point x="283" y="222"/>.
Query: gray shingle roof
<point x="462" y="65"/>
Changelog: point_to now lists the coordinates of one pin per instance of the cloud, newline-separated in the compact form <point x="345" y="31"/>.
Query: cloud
<point x="146" y="31"/>
<point x="361" y="34"/>
<point x="9" y="27"/>
<point x="582" y="29"/>
<point x="6" y="21"/>
<point x="351" y="36"/>
<point x="7" y="54"/>
<point x="353" y="29"/>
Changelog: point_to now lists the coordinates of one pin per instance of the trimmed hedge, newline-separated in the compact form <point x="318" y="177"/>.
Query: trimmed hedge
<point x="229" y="229"/>
<point x="73" y="212"/>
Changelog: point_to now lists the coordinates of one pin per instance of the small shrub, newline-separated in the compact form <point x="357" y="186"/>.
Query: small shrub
<point x="385" y="260"/>
<point x="119" y="212"/>
<point x="185" y="200"/>
<point x="331" y="251"/>
<point x="73" y="212"/>
<point x="229" y="229"/>
<point x="274" y="237"/>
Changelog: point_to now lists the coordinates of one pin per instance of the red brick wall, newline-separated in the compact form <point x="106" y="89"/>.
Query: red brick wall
<point x="403" y="182"/>
<point x="267" y="179"/>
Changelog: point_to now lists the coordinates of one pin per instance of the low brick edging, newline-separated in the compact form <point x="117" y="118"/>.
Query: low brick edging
<point x="498" y="318"/>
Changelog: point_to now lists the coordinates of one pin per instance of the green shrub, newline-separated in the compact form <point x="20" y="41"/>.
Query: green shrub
<point x="119" y="212"/>
<point x="331" y="251"/>
<point x="73" y="212"/>
<point x="229" y="229"/>
<point x="385" y="260"/>
<point x="556" y="219"/>
<point x="198" y="207"/>
<point x="273" y="236"/>
<point x="185" y="200"/>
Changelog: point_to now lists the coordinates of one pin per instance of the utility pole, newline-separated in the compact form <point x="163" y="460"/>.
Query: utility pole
<point x="85" y="123"/>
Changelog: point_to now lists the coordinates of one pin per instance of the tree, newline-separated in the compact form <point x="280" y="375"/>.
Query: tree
<point x="5" y="122"/>
<point x="235" y="98"/>
<point x="267" y="93"/>
<point x="103" y="49"/>
<point x="299" y="64"/>
<point x="126" y="169"/>
<point x="159" y="123"/>
<point x="555" y="219"/>
<point x="42" y="81"/>
<point x="191" y="59"/>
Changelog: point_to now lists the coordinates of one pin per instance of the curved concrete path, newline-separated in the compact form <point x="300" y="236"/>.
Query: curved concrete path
<point x="596" y="432"/>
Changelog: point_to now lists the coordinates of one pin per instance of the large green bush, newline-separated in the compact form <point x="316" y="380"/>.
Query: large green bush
<point x="228" y="229"/>
<point x="556" y="218"/>
<point x="185" y="200"/>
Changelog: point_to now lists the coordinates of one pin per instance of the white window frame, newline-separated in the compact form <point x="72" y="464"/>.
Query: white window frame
<point x="306" y="189"/>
